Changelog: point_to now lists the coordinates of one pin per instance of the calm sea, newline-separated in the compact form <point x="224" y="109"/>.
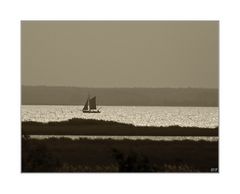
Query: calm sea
<point x="137" y="115"/>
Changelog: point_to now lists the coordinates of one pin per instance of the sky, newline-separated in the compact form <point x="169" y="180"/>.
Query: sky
<point x="120" y="53"/>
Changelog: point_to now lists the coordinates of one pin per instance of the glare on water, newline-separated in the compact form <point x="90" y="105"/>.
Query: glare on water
<point x="138" y="116"/>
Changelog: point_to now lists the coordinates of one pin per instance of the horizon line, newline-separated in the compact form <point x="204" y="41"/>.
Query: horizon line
<point x="119" y="87"/>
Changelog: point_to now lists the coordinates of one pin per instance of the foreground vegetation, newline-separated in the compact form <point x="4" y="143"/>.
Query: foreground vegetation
<point x="84" y="155"/>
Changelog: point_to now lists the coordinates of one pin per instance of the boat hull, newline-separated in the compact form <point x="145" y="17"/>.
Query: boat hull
<point x="91" y="111"/>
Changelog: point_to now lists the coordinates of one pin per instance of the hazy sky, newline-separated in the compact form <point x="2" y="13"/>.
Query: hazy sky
<point x="120" y="54"/>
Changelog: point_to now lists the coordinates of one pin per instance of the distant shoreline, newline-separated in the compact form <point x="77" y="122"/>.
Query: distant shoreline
<point x="200" y="97"/>
<point x="119" y="105"/>
<point x="109" y="128"/>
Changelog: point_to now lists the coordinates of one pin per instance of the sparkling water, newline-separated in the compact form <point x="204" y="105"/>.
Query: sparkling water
<point x="206" y="117"/>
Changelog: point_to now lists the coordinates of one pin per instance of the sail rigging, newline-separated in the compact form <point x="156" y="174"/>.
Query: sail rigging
<point x="86" y="105"/>
<point x="91" y="106"/>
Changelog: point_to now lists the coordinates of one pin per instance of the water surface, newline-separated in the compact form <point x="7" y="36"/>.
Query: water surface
<point x="206" y="117"/>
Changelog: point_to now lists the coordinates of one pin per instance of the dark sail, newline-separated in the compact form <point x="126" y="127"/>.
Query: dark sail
<point x="92" y="103"/>
<point x="86" y="105"/>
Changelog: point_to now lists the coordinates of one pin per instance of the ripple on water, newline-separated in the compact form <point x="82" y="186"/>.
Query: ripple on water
<point x="206" y="117"/>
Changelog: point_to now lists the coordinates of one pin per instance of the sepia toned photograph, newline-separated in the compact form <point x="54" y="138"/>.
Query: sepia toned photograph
<point x="120" y="96"/>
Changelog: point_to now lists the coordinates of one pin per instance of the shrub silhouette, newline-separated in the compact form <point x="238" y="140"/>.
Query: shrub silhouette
<point x="37" y="158"/>
<point x="132" y="162"/>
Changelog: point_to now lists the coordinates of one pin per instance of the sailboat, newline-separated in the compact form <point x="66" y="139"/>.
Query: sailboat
<point x="90" y="106"/>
